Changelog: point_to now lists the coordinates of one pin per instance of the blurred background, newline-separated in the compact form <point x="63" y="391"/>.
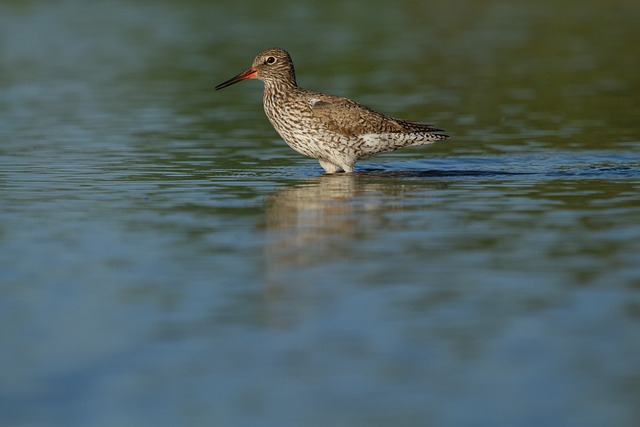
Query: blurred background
<point x="165" y="259"/>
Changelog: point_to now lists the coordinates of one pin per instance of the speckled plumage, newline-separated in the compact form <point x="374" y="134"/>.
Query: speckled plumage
<point x="334" y="130"/>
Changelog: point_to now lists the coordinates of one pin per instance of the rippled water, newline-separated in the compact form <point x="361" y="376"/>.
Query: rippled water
<point x="165" y="259"/>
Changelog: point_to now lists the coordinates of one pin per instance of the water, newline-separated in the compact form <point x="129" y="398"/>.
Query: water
<point x="166" y="260"/>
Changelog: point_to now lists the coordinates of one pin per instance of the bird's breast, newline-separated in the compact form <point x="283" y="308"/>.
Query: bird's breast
<point x="291" y="117"/>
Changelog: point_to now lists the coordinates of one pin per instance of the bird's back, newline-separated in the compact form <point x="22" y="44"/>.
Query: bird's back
<point x="341" y="124"/>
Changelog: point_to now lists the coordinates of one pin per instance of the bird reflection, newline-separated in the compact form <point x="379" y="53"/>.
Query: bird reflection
<point x="322" y="219"/>
<point x="328" y="224"/>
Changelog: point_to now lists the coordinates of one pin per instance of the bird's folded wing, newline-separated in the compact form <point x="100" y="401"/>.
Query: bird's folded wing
<point x="347" y="117"/>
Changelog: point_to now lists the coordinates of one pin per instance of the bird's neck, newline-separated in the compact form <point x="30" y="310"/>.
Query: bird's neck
<point x="276" y="88"/>
<point x="281" y="83"/>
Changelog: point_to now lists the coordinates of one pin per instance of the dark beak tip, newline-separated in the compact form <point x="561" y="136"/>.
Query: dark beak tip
<point x="226" y="84"/>
<point x="248" y="74"/>
<point x="223" y="85"/>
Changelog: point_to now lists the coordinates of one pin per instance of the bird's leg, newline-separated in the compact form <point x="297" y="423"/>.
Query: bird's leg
<point x="348" y="168"/>
<point x="328" y="167"/>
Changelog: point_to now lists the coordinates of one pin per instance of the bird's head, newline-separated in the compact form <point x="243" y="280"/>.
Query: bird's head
<point x="272" y="66"/>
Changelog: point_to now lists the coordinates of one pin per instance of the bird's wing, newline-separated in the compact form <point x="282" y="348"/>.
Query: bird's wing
<point x="347" y="117"/>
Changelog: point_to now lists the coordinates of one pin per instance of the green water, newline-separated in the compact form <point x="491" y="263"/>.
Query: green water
<point x="166" y="260"/>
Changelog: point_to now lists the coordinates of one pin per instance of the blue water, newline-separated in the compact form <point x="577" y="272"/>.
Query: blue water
<point x="165" y="259"/>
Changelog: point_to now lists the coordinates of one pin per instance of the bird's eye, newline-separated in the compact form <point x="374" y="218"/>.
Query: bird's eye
<point x="270" y="60"/>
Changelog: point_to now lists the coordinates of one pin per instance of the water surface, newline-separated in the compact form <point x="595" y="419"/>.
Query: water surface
<point x="165" y="259"/>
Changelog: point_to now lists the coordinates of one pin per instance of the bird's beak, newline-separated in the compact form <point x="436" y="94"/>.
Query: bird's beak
<point x="249" y="74"/>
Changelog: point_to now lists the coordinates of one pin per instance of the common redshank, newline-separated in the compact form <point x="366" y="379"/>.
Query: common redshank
<point x="334" y="130"/>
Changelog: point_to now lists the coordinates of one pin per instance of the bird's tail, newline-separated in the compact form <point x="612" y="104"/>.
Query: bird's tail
<point x="376" y="143"/>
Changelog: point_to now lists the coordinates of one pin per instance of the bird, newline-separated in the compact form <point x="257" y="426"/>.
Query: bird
<point x="334" y="130"/>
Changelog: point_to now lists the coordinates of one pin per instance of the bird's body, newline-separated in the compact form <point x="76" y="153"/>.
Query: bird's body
<point x="334" y="130"/>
